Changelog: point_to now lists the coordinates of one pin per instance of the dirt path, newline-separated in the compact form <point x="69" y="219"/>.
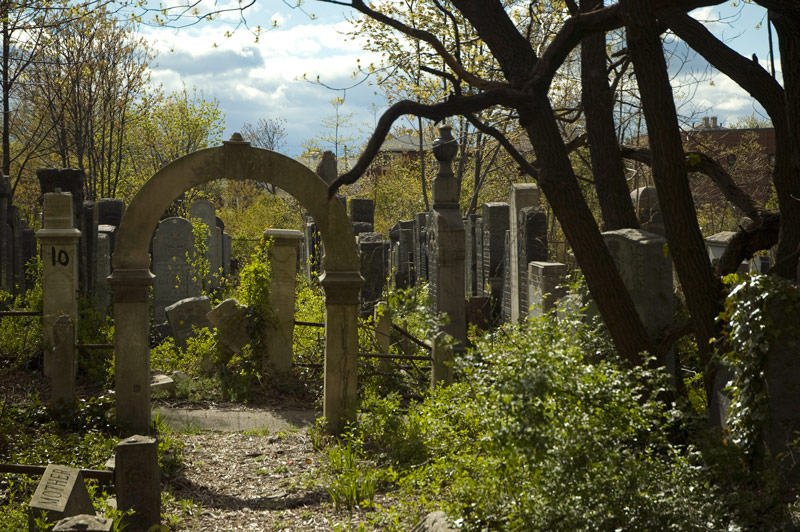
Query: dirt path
<point x="246" y="482"/>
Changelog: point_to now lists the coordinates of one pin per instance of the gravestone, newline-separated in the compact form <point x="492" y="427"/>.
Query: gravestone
<point x="645" y="265"/>
<point x="227" y="244"/>
<point x="361" y="227"/>
<point x="186" y="315"/>
<point x="66" y="180"/>
<point x="137" y="482"/>
<point x="64" y="364"/>
<point x="58" y="240"/>
<point x="544" y="286"/>
<point x="648" y="211"/>
<point x="362" y="210"/>
<point x="471" y="262"/>
<point x="531" y="246"/>
<point x="521" y="195"/>
<point x="110" y="211"/>
<point x="480" y="282"/>
<point x="505" y="302"/>
<point x="403" y="266"/>
<point x="282" y="255"/>
<point x="495" y="224"/>
<point x="312" y="249"/>
<point x="172" y="242"/>
<point x="61" y="493"/>
<point x="230" y="320"/>
<point x="88" y="228"/>
<point x="84" y="523"/>
<point x="111" y="232"/>
<point x="16" y="225"/>
<point x="327" y="167"/>
<point x="204" y="210"/>
<point x="102" y="269"/>
<point x="421" y="246"/>
<point x="371" y="247"/>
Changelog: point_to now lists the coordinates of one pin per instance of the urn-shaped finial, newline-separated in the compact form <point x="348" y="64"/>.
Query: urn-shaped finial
<point x="445" y="147"/>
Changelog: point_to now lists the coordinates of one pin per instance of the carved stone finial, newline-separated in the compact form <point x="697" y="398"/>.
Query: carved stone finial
<point x="445" y="186"/>
<point x="237" y="138"/>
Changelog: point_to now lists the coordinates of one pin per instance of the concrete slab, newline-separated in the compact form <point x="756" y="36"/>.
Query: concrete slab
<point x="187" y="419"/>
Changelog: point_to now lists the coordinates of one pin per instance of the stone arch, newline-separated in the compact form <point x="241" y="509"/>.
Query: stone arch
<point x="131" y="280"/>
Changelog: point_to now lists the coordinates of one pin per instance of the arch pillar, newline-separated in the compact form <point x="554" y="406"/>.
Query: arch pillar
<point x="131" y="289"/>
<point x="340" y="395"/>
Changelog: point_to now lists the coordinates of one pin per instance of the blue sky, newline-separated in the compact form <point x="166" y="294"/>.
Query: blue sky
<point x="264" y="79"/>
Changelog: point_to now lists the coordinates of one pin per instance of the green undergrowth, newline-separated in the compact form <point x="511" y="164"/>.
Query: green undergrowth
<point x="545" y="429"/>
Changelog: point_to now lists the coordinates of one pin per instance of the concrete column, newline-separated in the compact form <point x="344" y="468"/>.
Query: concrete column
<point x="131" y="289"/>
<point x="522" y="195"/>
<point x="449" y="237"/>
<point x="282" y="255"/>
<point x="58" y="241"/>
<point x="137" y="482"/>
<point x="341" y="347"/>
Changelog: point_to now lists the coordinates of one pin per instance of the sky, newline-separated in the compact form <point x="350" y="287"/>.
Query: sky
<point x="275" y="76"/>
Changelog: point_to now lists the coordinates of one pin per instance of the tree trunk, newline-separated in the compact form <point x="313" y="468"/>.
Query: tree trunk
<point x="598" y="107"/>
<point x="702" y="289"/>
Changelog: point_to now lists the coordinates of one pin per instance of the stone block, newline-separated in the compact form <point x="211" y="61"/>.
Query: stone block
<point x="362" y="210"/>
<point x="362" y="227"/>
<point x="522" y="195"/>
<point x="84" y="523"/>
<point x="162" y="383"/>
<point x="186" y="315"/>
<point x="648" y="210"/>
<point x="173" y="244"/>
<point x="137" y="482"/>
<point x="110" y="211"/>
<point x="495" y="224"/>
<point x="231" y="322"/>
<point x="544" y="286"/>
<point x="373" y="269"/>
<point x="61" y="493"/>
<point x="282" y="255"/>
<point x="531" y="246"/>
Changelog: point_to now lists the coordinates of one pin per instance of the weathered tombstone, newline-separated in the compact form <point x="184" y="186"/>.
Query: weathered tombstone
<point x="203" y="210"/>
<point x="531" y="246"/>
<point x="403" y="235"/>
<point x="645" y="265"/>
<point x="137" y="482"/>
<point x="102" y="269"/>
<point x="60" y="493"/>
<point x="421" y="246"/>
<point x="362" y="210"/>
<point x="88" y="228"/>
<point x="716" y="245"/>
<point x="760" y="264"/>
<point x="186" y="315"/>
<point x="373" y="270"/>
<point x="230" y="320"/>
<point x="282" y="254"/>
<point x="111" y="232"/>
<point x="64" y="180"/>
<point x="110" y="211"/>
<point x="479" y="312"/>
<point x="84" y="523"/>
<point x="16" y="225"/>
<point x="648" y="211"/>
<point x="521" y="195"/>
<point x="544" y="286"/>
<point x="172" y="246"/>
<point x="327" y="167"/>
<point x="505" y="303"/>
<point x="64" y="364"/>
<point x="447" y="228"/>
<point x="58" y="239"/>
<point x="471" y="278"/>
<point x="480" y="283"/>
<point x="361" y="227"/>
<point x="495" y="224"/>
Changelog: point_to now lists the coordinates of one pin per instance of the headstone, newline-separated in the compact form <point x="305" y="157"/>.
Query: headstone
<point x="471" y="261"/>
<point x="648" y="211"/>
<point x="282" y="254"/>
<point x="162" y="383"/>
<point x="327" y="167"/>
<point x="230" y="320"/>
<point x="495" y="224"/>
<point x="531" y="246"/>
<point x="403" y="234"/>
<point x="373" y="270"/>
<point x="111" y="232"/>
<point x="66" y="180"/>
<point x="172" y="244"/>
<point x="110" y="211"/>
<point x="505" y="303"/>
<point x="760" y="264"/>
<point x="645" y="265"/>
<point x="61" y="493"/>
<point x="521" y="195"/>
<point x="480" y="282"/>
<point x="89" y="224"/>
<point x="204" y="210"/>
<point x="479" y="312"/>
<point x="58" y="240"/>
<point x="102" y="269"/>
<point x="361" y="227"/>
<point x="186" y="315"/>
<point x="64" y="364"/>
<point x="137" y="482"/>
<point x="362" y="210"/>
<point x="545" y="280"/>
<point x="421" y="246"/>
<point x="16" y="225"/>
<point x="84" y="523"/>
